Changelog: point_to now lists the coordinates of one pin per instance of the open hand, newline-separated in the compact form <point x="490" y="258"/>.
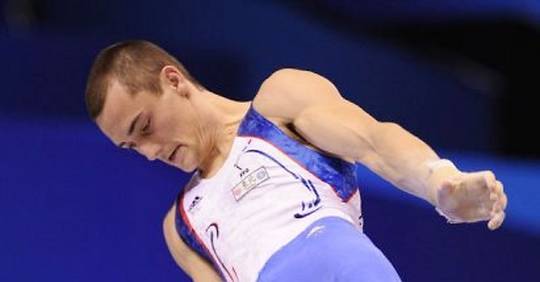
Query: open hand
<point x="472" y="197"/>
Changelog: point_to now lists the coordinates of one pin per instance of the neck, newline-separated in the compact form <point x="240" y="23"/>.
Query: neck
<point x="224" y="117"/>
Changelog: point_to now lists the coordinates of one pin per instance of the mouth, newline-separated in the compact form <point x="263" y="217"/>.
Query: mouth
<point x="172" y="156"/>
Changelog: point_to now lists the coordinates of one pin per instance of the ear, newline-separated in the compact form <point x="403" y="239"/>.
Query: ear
<point x="171" y="77"/>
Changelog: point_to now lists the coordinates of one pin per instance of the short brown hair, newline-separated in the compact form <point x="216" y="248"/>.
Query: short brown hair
<point x="136" y="64"/>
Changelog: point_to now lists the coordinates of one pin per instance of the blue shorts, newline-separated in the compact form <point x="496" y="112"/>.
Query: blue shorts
<point x="330" y="249"/>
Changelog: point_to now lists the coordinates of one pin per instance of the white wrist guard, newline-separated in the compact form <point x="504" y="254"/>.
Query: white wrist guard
<point x="434" y="165"/>
<point x="448" y="218"/>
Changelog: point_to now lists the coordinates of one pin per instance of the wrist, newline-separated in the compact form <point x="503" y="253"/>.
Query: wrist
<point x="439" y="171"/>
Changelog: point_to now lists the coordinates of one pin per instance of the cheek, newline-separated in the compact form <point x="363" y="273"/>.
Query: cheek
<point x="193" y="153"/>
<point x="167" y="129"/>
<point x="177" y="126"/>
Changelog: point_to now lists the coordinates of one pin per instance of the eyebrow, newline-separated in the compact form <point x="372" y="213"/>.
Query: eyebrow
<point x="131" y="128"/>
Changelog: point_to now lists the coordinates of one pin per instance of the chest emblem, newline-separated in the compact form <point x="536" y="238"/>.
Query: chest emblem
<point x="249" y="182"/>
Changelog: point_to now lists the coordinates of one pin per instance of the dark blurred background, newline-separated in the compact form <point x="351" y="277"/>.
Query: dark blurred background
<point x="461" y="75"/>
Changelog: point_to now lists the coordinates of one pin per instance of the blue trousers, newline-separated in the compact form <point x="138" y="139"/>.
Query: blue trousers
<point x="329" y="250"/>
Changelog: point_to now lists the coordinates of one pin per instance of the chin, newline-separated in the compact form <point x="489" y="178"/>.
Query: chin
<point x="188" y="168"/>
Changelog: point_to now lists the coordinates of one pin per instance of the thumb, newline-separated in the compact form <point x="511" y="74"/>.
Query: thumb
<point x="446" y="197"/>
<point x="446" y="189"/>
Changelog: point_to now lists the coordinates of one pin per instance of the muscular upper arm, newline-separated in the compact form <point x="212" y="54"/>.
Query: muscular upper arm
<point x="194" y="265"/>
<point x="287" y="92"/>
<point x="318" y="112"/>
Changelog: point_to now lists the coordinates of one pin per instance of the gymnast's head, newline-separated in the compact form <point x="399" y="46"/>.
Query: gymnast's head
<point x="142" y="98"/>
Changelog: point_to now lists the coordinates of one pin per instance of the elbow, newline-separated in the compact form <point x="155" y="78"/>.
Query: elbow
<point x="168" y="226"/>
<point x="168" y="219"/>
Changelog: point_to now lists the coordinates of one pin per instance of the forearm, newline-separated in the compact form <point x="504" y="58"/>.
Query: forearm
<point x="407" y="162"/>
<point x="385" y="148"/>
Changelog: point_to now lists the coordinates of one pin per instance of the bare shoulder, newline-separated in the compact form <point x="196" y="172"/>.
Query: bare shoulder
<point x="286" y="92"/>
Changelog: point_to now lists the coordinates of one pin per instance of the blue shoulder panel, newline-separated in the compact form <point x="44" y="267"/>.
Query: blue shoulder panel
<point x="339" y="174"/>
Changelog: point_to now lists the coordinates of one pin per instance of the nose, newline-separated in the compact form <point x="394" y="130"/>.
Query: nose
<point x="149" y="150"/>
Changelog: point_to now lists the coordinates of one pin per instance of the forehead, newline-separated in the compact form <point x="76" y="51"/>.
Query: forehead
<point x="119" y="110"/>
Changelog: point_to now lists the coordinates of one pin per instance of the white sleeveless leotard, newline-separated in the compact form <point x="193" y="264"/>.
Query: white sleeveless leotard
<point x="269" y="189"/>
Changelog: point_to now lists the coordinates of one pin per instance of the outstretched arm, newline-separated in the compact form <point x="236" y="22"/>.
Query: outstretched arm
<point x="331" y="123"/>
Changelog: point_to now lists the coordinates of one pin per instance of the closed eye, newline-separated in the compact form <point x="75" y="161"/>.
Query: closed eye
<point x="146" y="127"/>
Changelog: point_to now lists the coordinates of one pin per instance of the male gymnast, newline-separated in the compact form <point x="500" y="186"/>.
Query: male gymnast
<point x="274" y="194"/>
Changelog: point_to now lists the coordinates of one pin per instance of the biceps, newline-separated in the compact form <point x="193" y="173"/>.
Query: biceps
<point x="339" y="127"/>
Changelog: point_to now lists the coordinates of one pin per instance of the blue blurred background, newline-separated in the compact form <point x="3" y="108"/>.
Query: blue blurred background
<point x="461" y="75"/>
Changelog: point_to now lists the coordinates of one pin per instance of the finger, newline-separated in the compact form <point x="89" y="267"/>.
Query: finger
<point x="500" y="219"/>
<point x="498" y="188"/>
<point x="499" y="206"/>
<point x="495" y="208"/>
<point x="496" y="201"/>
<point x="496" y="221"/>
<point x="490" y="180"/>
<point x="502" y="196"/>
<point x="501" y="199"/>
<point x="504" y="201"/>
